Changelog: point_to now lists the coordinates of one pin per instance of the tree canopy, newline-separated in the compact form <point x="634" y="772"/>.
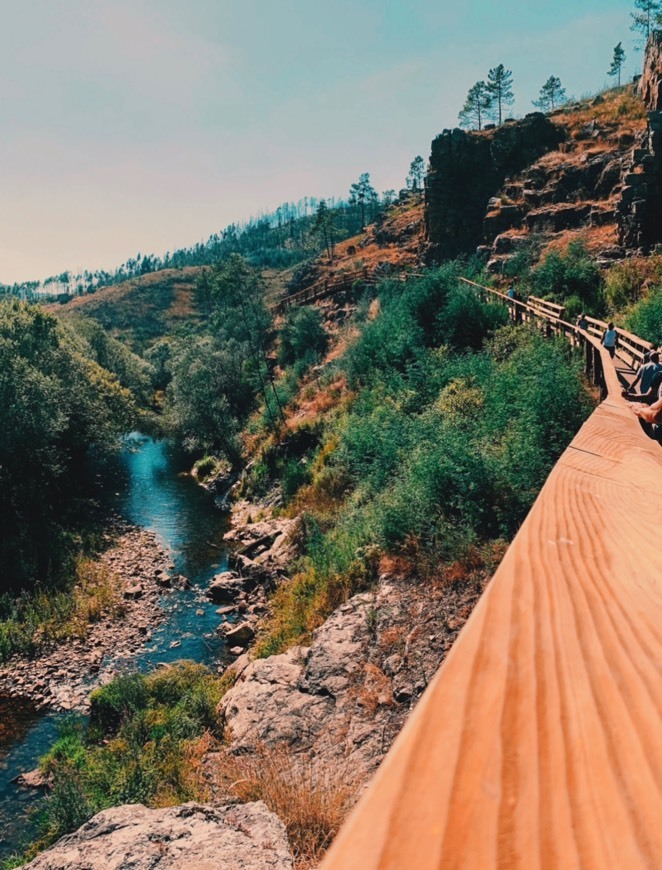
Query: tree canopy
<point x="57" y="402"/>
<point x="500" y="89"/>
<point x="476" y="106"/>
<point x="552" y="94"/>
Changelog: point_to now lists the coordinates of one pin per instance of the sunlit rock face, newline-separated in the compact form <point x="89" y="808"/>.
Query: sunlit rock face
<point x="468" y="169"/>
<point x="188" y="837"/>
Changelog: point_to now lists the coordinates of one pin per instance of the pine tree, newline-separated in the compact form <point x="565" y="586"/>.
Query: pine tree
<point x="478" y="102"/>
<point x="416" y="174"/>
<point x="363" y="195"/>
<point x="500" y="89"/>
<point x="648" y="14"/>
<point x="324" y="226"/>
<point x="617" y="62"/>
<point x="551" y="94"/>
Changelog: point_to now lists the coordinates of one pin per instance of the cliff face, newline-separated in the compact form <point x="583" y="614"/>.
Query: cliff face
<point x="640" y="206"/>
<point x="468" y="169"/>
<point x="650" y="83"/>
<point x="592" y="168"/>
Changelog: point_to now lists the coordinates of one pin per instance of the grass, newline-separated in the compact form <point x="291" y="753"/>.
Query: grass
<point x="145" y="743"/>
<point x="32" y="622"/>
<point x="312" y="796"/>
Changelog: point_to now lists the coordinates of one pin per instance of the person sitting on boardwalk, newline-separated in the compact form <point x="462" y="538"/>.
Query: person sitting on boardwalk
<point x="650" y="417"/>
<point x="582" y="322"/>
<point x="610" y="339"/>
<point x="649" y="378"/>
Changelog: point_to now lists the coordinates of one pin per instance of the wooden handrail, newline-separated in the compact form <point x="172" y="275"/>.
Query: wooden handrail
<point x="537" y="744"/>
<point x="552" y="308"/>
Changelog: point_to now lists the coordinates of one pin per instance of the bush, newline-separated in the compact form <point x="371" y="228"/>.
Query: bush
<point x="573" y="274"/>
<point x="645" y="319"/>
<point x="144" y="743"/>
<point x="302" y="336"/>
<point x="115" y="703"/>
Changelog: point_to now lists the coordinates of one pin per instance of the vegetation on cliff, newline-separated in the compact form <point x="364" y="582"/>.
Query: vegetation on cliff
<point x="451" y="420"/>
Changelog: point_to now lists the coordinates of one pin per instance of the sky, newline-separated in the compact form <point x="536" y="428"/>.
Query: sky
<point x="147" y="125"/>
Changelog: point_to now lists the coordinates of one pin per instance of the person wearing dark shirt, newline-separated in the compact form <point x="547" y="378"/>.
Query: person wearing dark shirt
<point x="649" y="378"/>
<point x="582" y="322"/>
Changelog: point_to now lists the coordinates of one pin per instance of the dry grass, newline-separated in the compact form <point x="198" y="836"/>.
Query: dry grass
<point x="311" y="796"/>
<point x="619" y="106"/>
<point x="97" y="593"/>
<point x="594" y="239"/>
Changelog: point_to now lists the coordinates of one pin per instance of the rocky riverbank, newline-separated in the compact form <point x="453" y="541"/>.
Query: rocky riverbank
<point x="261" y="553"/>
<point x="344" y="698"/>
<point x="61" y="676"/>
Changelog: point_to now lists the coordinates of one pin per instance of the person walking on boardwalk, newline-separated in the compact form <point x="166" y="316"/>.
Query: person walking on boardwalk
<point x="649" y="378"/>
<point x="582" y="322"/>
<point x="610" y="339"/>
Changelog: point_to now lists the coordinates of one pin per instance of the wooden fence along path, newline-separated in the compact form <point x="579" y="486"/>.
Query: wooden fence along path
<point x="538" y="744"/>
<point x="328" y="287"/>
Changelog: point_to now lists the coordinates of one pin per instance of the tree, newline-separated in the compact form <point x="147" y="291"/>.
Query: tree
<point x="648" y="13"/>
<point x="617" y="62"/>
<point x="361" y="195"/>
<point x="500" y="89"/>
<point x="551" y="94"/>
<point x="302" y="336"/>
<point x="478" y="102"/>
<point x="324" y="226"/>
<point x="416" y="174"/>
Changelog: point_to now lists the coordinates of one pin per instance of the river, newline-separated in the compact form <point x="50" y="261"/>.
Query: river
<point x="148" y="487"/>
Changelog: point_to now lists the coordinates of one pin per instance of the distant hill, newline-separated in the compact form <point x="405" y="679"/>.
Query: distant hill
<point x="142" y="309"/>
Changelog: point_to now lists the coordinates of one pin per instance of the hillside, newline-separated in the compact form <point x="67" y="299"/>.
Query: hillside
<point x="142" y="309"/>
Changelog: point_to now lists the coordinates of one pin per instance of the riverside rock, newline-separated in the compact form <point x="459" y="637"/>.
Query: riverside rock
<point x="240" y="635"/>
<point x="225" y="588"/>
<point x="346" y="696"/>
<point x="188" y="837"/>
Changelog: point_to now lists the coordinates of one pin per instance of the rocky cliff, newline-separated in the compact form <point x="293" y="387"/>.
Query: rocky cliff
<point x="468" y="169"/>
<point x="592" y="167"/>
<point x="640" y="205"/>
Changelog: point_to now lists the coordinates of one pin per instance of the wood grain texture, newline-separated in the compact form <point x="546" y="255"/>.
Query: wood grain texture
<point x="538" y="744"/>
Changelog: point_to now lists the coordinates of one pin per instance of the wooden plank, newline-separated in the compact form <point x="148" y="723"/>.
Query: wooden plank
<point x="537" y="745"/>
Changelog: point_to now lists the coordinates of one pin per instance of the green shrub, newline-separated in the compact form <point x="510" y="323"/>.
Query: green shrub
<point x="115" y="703"/>
<point x="645" y="319"/>
<point x="302" y="336"/>
<point x="574" y="273"/>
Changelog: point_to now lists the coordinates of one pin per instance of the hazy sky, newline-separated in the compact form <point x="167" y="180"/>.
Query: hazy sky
<point x="146" y="125"/>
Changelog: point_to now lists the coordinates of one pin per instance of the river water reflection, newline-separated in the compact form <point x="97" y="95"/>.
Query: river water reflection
<point x="148" y="486"/>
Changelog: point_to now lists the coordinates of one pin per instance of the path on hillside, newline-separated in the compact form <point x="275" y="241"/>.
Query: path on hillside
<point x="538" y="742"/>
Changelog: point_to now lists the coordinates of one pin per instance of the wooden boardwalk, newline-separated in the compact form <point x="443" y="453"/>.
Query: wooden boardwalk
<point x="539" y="742"/>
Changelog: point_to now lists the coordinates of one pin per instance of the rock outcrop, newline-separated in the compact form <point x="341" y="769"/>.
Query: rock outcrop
<point x="346" y="696"/>
<point x="188" y="837"/>
<point x="640" y="205"/>
<point x="650" y="83"/>
<point x="468" y="169"/>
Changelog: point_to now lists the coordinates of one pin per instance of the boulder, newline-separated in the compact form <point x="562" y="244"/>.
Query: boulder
<point x="32" y="779"/>
<point x="266" y="706"/>
<point x="240" y="635"/>
<point x="131" y="593"/>
<point x="225" y="588"/>
<point x="244" y="837"/>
